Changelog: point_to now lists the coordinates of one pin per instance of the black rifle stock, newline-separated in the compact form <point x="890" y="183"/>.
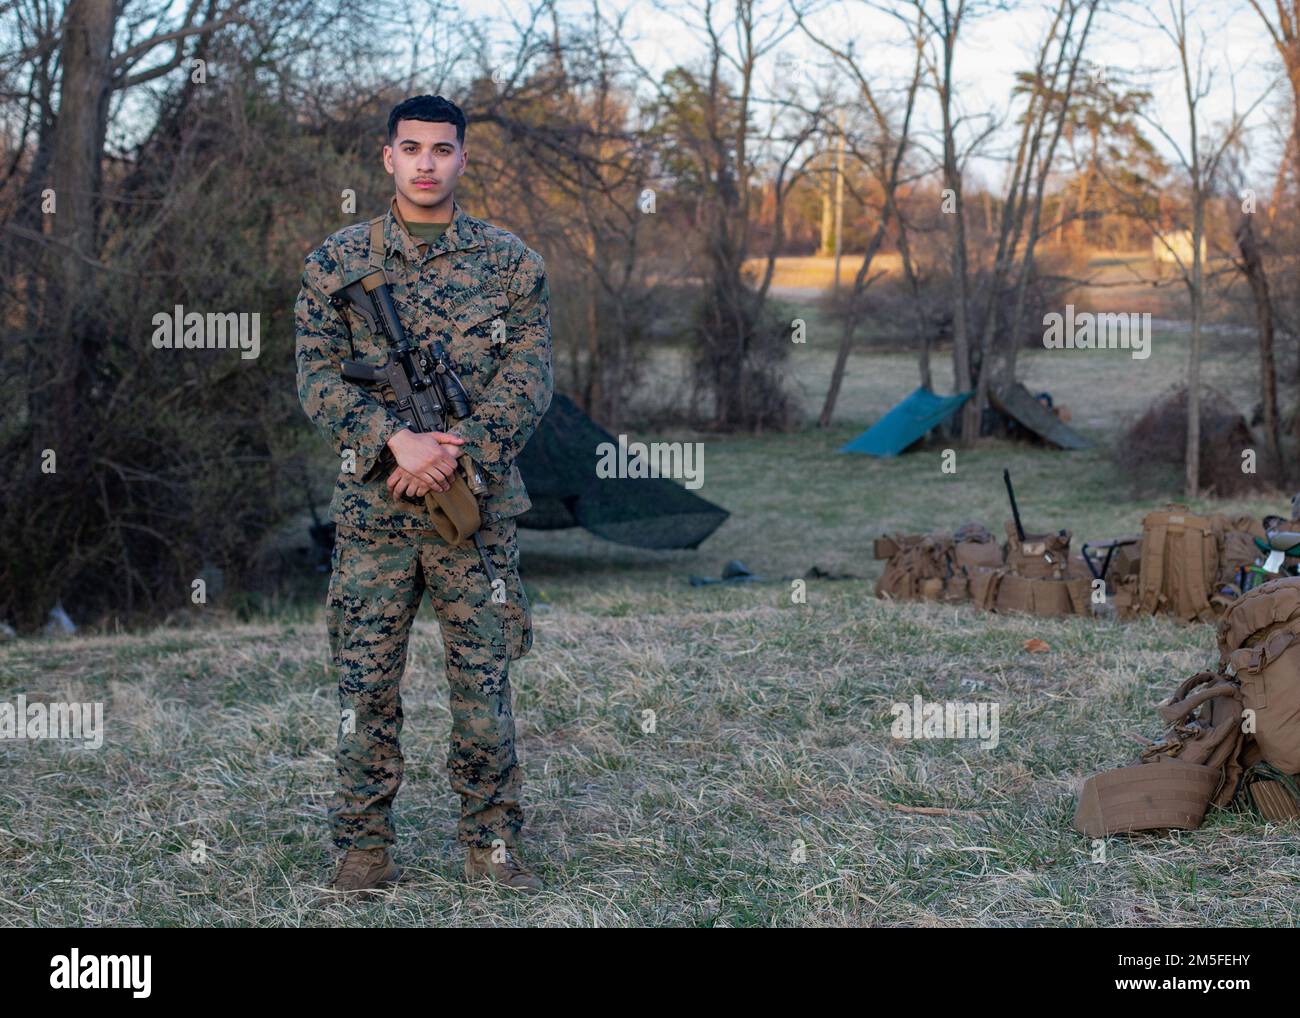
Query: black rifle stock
<point x="427" y="389"/>
<point x="1015" y="510"/>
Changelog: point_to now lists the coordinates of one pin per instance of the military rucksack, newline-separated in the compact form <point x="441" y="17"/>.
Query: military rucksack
<point x="916" y="568"/>
<point x="974" y="551"/>
<point x="1198" y="761"/>
<point x="1259" y="640"/>
<point x="935" y="566"/>
<point x="1239" y="728"/>
<point x="1179" y="565"/>
<point x="1038" y="577"/>
<point x="1038" y="556"/>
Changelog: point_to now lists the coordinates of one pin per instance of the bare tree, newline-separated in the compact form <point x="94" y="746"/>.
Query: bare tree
<point x="945" y="25"/>
<point x="1283" y="27"/>
<point x="72" y="151"/>
<point x="710" y="143"/>
<point x="1050" y="88"/>
<point x="1200" y="159"/>
<point x="563" y="157"/>
<point x="1061" y="97"/>
<point x="884" y="159"/>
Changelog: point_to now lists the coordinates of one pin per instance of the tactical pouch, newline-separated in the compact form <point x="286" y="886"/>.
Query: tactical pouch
<point x="1198" y="761"/>
<point x="917" y="569"/>
<point x="984" y="584"/>
<point x="1150" y="797"/>
<point x="969" y="555"/>
<point x="1038" y="556"/>
<point x="884" y="548"/>
<point x="1003" y="591"/>
<point x="1259" y="639"/>
<point x="931" y="589"/>
<point x="1015" y="594"/>
<point x="1275" y="795"/>
<point x="956" y="588"/>
<point x="454" y="512"/>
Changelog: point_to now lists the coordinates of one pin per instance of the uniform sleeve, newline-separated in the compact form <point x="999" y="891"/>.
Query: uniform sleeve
<point x="348" y="415"/>
<point x="511" y="406"/>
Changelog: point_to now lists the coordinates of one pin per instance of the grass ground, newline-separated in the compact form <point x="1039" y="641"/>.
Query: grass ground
<point x="770" y="792"/>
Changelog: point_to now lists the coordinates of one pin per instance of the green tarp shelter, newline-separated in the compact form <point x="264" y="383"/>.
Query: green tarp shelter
<point x="906" y="423"/>
<point x="558" y="466"/>
<point x="1016" y="402"/>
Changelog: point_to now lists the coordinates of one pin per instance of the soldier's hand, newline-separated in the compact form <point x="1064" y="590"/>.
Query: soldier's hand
<point x="429" y="457"/>
<point x="400" y="482"/>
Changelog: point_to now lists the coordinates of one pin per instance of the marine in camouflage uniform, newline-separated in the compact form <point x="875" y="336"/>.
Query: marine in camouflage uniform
<point x="485" y="293"/>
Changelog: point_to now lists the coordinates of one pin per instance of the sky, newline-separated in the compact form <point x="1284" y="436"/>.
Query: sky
<point x="1236" y="53"/>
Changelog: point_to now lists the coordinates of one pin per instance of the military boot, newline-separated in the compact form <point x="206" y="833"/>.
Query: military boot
<point x="365" y="869"/>
<point x="510" y="872"/>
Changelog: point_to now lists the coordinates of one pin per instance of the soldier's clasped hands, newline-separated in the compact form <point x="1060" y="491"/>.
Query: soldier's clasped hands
<point x="426" y="461"/>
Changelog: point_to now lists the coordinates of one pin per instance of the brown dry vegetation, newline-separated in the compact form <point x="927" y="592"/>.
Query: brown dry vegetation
<point x="772" y="722"/>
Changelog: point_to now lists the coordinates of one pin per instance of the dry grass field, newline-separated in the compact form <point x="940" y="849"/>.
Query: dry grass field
<point x="771" y="790"/>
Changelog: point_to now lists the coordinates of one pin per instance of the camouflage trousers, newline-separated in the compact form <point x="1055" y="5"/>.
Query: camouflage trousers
<point x="379" y="579"/>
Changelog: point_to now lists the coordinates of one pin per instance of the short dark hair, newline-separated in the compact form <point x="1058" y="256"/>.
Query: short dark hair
<point x="431" y="108"/>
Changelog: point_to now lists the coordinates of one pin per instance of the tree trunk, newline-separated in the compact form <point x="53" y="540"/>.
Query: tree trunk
<point x="1253" y="266"/>
<point x="593" y="393"/>
<point x="918" y="311"/>
<point x="828" y="229"/>
<point x="77" y="144"/>
<point x="1291" y="58"/>
<point x="961" y="366"/>
<point x="1081" y="209"/>
<point x="851" y="322"/>
<point x="1194" y="349"/>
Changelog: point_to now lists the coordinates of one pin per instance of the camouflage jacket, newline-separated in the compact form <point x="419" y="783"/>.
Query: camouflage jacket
<point x="456" y="288"/>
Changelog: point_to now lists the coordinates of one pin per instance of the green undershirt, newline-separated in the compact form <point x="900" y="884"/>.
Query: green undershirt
<point x="427" y="233"/>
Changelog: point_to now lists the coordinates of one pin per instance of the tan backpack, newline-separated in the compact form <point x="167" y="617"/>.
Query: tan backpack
<point x="917" y="567"/>
<point x="1198" y="761"/>
<point x="1038" y="556"/>
<point x="974" y="547"/>
<point x="1179" y="566"/>
<point x="1259" y="639"/>
<point x="934" y="566"/>
<point x="1039" y="577"/>
<point x="1001" y="590"/>
<point x="974" y="551"/>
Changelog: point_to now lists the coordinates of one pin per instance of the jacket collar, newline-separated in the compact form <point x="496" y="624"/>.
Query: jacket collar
<point x="462" y="233"/>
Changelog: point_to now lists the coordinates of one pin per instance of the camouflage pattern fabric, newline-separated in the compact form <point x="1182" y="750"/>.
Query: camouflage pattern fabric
<point x="484" y="294"/>
<point x="379" y="579"/>
<point x="481" y="291"/>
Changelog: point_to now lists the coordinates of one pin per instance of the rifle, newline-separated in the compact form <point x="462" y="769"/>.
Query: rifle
<point x="428" y="392"/>
<point x="1015" y="511"/>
